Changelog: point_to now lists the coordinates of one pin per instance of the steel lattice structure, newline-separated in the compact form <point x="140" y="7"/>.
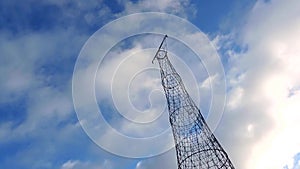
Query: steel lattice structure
<point x="196" y="146"/>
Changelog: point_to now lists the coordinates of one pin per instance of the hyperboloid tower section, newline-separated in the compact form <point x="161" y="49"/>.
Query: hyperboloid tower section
<point x="196" y="146"/>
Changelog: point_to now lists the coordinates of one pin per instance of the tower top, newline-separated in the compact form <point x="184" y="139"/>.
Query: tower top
<point x="158" y="54"/>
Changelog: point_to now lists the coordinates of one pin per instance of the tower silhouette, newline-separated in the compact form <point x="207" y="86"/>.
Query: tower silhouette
<point x="196" y="146"/>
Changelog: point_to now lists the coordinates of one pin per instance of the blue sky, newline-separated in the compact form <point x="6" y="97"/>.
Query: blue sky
<point x="40" y="41"/>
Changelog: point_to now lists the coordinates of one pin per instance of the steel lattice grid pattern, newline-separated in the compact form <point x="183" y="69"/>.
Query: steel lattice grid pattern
<point x="196" y="146"/>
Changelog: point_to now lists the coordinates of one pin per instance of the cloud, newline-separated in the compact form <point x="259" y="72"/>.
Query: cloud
<point x="166" y="160"/>
<point x="261" y="115"/>
<point x="35" y="76"/>
<point x="182" y="8"/>
<point x="76" y="164"/>
<point x="45" y="15"/>
<point x="39" y="46"/>
<point x="110" y="79"/>
<point x="263" y="89"/>
<point x="121" y="73"/>
<point x="293" y="163"/>
<point x="39" y="56"/>
<point x="32" y="60"/>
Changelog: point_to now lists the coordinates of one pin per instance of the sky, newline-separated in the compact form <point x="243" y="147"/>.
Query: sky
<point x="245" y="82"/>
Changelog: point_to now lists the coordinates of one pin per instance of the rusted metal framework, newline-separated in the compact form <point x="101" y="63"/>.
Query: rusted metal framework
<point x="196" y="146"/>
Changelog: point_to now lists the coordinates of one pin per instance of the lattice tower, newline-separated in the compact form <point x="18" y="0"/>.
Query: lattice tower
<point x="196" y="146"/>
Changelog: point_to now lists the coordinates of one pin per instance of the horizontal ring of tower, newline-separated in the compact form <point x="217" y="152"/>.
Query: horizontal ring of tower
<point x="216" y="156"/>
<point x="161" y="54"/>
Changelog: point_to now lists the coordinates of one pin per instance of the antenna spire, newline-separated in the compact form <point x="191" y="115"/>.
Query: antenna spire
<point x="160" y="48"/>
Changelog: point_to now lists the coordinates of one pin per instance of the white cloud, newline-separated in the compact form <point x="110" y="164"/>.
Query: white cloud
<point x="166" y="160"/>
<point x="263" y="101"/>
<point x="92" y="13"/>
<point x="48" y="107"/>
<point x="69" y="164"/>
<point x="30" y="76"/>
<point x="234" y="99"/>
<point x="183" y="8"/>
<point x="262" y="115"/>
<point x="119" y="73"/>
<point x="77" y="164"/>
<point x="24" y="76"/>
<point x="23" y="58"/>
<point x="128" y="76"/>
